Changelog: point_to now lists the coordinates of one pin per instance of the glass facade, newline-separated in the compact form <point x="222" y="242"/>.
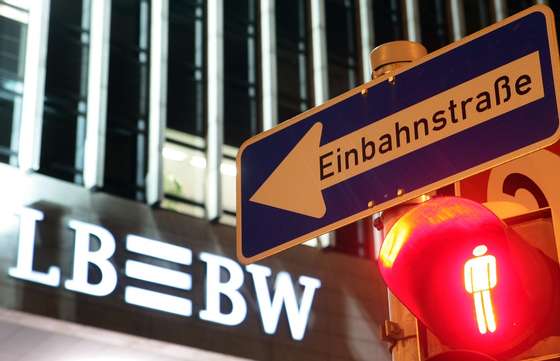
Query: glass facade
<point x="515" y="6"/>
<point x="555" y="6"/>
<point x="186" y="75"/>
<point x="387" y="21"/>
<point x="128" y="99"/>
<point x="13" y="34"/>
<point x="64" y="118"/>
<point x="434" y="24"/>
<point x="342" y="45"/>
<point x="241" y="71"/>
<point x="294" y="65"/>
<point x="153" y="76"/>
<point x="183" y="153"/>
<point x="185" y="106"/>
<point x="478" y="14"/>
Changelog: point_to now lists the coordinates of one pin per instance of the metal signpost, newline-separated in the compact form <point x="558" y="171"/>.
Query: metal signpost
<point x="467" y="107"/>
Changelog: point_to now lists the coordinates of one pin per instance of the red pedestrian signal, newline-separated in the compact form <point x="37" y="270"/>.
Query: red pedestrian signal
<point x="480" y="278"/>
<point x="475" y="283"/>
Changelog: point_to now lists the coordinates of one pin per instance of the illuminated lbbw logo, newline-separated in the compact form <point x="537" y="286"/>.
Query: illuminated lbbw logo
<point x="480" y="278"/>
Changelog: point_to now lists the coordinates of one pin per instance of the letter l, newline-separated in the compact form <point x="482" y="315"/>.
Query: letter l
<point x="24" y="267"/>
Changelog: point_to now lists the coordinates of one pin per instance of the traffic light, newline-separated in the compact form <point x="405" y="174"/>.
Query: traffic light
<point x="461" y="356"/>
<point x="471" y="280"/>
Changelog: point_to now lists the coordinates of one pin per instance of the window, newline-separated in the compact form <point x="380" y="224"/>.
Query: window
<point x="387" y="21"/>
<point x="228" y="171"/>
<point x="434" y="23"/>
<point x="342" y="46"/>
<point x="293" y="58"/>
<point x="183" y="153"/>
<point x="186" y="77"/>
<point x="555" y="6"/>
<point x="184" y="174"/>
<point x="127" y="104"/>
<point x="515" y="6"/>
<point x="64" y="119"/>
<point x="478" y="14"/>
<point x="241" y="99"/>
<point x="13" y="35"/>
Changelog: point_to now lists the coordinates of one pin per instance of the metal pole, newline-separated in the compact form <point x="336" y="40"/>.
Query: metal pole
<point x="389" y="56"/>
<point x="215" y="117"/>
<point x="29" y="143"/>
<point x="412" y="20"/>
<point x="458" y="19"/>
<point x="158" y="99"/>
<point x="98" y="77"/>
<point x="268" y="61"/>
<point x="366" y="29"/>
<point x="320" y="72"/>
<point x="384" y="60"/>
<point x="319" y="42"/>
<point x="500" y="11"/>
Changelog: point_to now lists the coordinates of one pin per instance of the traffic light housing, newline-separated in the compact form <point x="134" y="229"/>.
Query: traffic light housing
<point x="461" y="355"/>
<point x="470" y="279"/>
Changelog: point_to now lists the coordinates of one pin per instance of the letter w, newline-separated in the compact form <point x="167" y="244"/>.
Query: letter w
<point x="284" y="294"/>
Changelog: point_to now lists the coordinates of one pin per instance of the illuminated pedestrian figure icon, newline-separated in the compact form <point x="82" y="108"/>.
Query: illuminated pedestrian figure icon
<point x="480" y="278"/>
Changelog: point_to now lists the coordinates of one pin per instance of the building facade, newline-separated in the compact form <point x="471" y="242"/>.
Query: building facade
<point x="121" y="120"/>
<point x="150" y="100"/>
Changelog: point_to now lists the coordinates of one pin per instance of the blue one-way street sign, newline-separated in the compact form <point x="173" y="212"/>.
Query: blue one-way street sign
<point x="470" y="106"/>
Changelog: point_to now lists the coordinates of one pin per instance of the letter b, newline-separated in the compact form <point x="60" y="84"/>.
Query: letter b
<point x="368" y="149"/>
<point x="100" y="258"/>
<point x="215" y="288"/>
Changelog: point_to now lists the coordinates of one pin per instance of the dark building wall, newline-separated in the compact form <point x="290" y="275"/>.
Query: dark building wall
<point x="345" y="315"/>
